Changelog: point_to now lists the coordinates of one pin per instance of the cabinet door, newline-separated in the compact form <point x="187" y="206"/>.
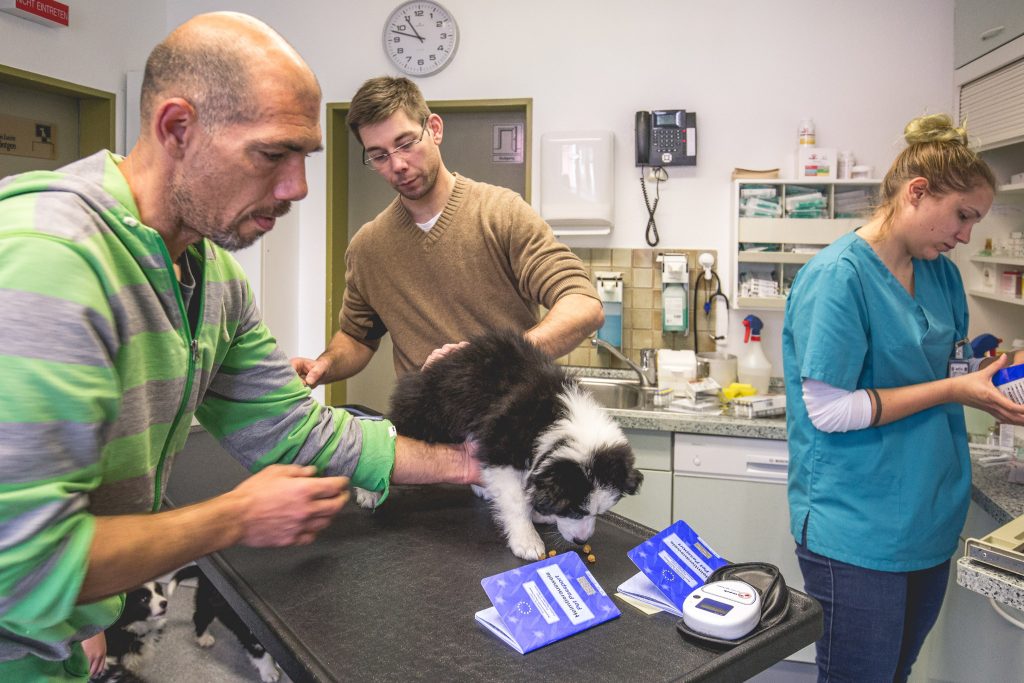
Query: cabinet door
<point x="652" y="506"/>
<point x="980" y="27"/>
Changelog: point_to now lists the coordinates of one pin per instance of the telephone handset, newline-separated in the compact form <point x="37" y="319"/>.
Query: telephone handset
<point x="666" y="137"/>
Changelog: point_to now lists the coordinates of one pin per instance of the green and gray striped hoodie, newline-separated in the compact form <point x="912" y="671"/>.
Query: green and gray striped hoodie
<point x="100" y="376"/>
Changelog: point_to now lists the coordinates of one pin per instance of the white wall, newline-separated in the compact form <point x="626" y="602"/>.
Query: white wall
<point x="751" y="70"/>
<point x="105" y="39"/>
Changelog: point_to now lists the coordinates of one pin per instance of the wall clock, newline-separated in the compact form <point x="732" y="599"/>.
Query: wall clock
<point x="420" y="37"/>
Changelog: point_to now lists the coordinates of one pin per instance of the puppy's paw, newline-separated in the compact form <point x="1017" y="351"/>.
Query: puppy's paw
<point x="367" y="499"/>
<point x="206" y="640"/>
<point x="266" y="668"/>
<point x="526" y="544"/>
<point x="481" y="492"/>
<point x="543" y="519"/>
<point x="131" y="661"/>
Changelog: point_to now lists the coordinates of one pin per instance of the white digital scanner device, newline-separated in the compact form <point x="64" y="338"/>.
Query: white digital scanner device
<point x="723" y="609"/>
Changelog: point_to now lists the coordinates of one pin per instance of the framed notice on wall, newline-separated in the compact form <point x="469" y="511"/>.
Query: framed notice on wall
<point x="25" y="137"/>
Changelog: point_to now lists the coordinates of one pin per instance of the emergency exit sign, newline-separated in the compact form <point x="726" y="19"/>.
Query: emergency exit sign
<point x="46" y="12"/>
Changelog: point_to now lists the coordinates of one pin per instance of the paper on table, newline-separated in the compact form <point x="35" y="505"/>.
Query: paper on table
<point x="640" y="589"/>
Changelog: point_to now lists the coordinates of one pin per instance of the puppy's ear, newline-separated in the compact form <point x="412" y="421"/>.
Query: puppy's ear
<point x="557" y="486"/>
<point x="613" y="466"/>
<point x="632" y="482"/>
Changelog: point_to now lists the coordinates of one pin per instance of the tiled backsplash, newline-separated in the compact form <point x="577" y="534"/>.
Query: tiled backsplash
<point x="641" y="305"/>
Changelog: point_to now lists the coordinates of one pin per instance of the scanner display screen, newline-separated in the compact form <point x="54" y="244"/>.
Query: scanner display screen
<point x="715" y="607"/>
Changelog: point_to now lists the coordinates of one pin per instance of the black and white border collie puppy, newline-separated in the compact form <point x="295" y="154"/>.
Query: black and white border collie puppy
<point x="132" y="638"/>
<point x="210" y="605"/>
<point x="549" y="452"/>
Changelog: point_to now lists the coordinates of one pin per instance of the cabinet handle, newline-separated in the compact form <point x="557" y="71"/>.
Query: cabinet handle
<point x="992" y="32"/>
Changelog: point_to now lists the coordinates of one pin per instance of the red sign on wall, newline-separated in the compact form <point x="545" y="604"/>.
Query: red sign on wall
<point x="47" y="12"/>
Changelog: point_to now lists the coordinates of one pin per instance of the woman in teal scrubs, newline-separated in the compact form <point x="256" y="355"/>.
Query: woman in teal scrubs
<point x="879" y="474"/>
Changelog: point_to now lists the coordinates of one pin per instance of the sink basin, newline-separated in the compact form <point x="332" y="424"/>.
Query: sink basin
<point x="613" y="393"/>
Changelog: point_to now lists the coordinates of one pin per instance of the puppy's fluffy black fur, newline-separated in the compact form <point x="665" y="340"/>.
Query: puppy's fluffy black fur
<point x="133" y="636"/>
<point x="210" y="605"/>
<point x="536" y="431"/>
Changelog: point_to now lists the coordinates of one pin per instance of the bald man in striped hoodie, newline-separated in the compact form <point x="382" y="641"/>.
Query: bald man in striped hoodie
<point x="122" y="316"/>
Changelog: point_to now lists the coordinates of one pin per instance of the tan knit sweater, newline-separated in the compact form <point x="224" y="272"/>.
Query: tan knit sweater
<point x="486" y="264"/>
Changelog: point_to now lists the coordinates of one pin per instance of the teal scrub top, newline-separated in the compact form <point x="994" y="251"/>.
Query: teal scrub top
<point x="893" y="497"/>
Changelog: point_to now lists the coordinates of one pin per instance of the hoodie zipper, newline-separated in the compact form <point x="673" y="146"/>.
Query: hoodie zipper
<point x="192" y="344"/>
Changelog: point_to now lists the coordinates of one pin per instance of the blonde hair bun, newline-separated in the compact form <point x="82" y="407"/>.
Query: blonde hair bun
<point x="934" y="128"/>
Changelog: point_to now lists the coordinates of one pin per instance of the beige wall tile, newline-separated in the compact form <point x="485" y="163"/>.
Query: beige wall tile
<point x="601" y="257"/>
<point x="622" y="258"/>
<point x="642" y="298"/>
<point x="641" y="339"/>
<point x="579" y="356"/>
<point x="643" y="258"/>
<point x="643" y="277"/>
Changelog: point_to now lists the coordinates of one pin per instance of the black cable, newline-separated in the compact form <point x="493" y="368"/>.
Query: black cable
<point x="708" y="299"/>
<point x="652" y="227"/>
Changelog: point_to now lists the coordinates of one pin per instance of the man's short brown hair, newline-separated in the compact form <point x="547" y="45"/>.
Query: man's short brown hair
<point x="378" y="98"/>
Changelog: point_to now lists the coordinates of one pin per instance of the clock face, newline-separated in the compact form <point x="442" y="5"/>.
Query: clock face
<point x="420" y="37"/>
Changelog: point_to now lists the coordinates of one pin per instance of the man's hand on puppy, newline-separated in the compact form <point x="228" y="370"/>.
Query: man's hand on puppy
<point x="438" y="354"/>
<point x="288" y="505"/>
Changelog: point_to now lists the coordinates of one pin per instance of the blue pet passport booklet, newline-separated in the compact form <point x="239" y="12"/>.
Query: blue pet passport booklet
<point x="673" y="563"/>
<point x="539" y="603"/>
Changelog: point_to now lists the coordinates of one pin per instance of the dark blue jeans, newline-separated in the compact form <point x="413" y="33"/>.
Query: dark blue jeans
<point x="875" y="622"/>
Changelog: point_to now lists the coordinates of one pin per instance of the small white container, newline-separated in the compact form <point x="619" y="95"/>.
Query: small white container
<point x="845" y="165"/>
<point x="860" y="171"/>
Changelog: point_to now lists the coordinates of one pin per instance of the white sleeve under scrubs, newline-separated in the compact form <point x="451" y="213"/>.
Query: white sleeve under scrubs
<point x="893" y="497"/>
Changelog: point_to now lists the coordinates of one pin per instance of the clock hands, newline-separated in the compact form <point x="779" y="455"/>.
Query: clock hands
<point x="410" y="35"/>
<point x="413" y="27"/>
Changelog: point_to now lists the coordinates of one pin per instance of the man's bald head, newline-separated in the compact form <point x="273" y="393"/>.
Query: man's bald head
<point x="218" y="62"/>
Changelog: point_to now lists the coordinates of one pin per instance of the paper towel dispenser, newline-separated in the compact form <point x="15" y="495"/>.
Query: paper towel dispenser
<point x="577" y="174"/>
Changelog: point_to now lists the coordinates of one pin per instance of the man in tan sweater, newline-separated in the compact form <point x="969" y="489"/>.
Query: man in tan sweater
<point x="448" y="258"/>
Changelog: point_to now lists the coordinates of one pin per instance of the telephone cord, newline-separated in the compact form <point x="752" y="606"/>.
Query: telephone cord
<point x="652" y="226"/>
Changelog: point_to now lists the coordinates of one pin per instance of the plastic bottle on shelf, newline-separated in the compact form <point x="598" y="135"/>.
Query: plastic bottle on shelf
<point x="806" y="132"/>
<point x="845" y="165"/>
<point x="753" y="367"/>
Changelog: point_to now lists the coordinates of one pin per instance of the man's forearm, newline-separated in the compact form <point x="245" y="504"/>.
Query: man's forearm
<point x="571" y="320"/>
<point x="128" y="550"/>
<point x="417" y="462"/>
<point x="346" y="357"/>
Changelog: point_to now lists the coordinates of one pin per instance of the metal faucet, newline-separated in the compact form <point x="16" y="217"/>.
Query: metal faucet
<point x="646" y="370"/>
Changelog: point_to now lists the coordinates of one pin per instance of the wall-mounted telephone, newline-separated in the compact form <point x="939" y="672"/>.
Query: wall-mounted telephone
<point x="666" y="137"/>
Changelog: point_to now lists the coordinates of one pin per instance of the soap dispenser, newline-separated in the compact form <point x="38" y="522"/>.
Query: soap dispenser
<point x="609" y="290"/>
<point x="753" y="367"/>
<point x="675" y="293"/>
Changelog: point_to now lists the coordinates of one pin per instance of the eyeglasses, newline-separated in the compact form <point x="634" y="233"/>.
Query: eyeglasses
<point x="378" y="161"/>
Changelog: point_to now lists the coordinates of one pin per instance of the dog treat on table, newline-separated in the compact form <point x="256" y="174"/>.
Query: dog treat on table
<point x="587" y="548"/>
<point x="591" y="558"/>
<point x="552" y="553"/>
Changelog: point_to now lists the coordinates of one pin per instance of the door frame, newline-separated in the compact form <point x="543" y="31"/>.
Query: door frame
<point x="97" y="125"/>
<point x="338" y="151"/>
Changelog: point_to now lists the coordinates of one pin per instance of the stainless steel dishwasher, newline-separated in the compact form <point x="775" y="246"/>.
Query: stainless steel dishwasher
<point x="732" y="491"/>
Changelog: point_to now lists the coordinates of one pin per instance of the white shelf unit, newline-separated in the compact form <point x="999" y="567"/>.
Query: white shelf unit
<point x="1007" y="216"/>
<point x="782" y="235"/>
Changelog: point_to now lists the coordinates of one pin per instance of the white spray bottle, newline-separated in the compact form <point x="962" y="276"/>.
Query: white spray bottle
<point x="753" y="367"/>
